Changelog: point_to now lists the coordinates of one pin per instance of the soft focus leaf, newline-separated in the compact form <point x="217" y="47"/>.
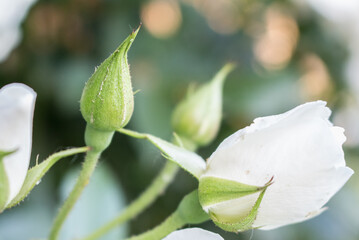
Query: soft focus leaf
<point x="101" y="200"/>
<point x="33" y="218"/>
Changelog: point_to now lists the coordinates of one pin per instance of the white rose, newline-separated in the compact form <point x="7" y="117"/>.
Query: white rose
<point x="280" y="170"/>
<point x="16" y="113"/>
<point x="193" y="234"/>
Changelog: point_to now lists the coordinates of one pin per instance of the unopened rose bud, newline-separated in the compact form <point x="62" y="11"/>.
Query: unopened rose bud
<point x="197" y="118"/>
<point x="107" y="99"/>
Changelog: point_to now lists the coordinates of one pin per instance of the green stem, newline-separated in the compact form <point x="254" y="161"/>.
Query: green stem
<point x="84" y="178"/>
<point x="171" y="224"/>
<point x="189" y="211"/>
<point x="98" y="141"/>
<point x="158" y="186"/>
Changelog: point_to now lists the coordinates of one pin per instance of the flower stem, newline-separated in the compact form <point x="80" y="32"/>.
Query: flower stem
<point x="98" y="141"/>
<point x="189" y="211"/>
<point x="84" y="178"/>
<point x="158" y="186"/>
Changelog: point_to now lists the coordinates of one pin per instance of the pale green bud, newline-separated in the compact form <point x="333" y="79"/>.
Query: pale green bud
<point x="232" y="206"/>
<point x="107" y="100"/>
<point x="197" y="118"/>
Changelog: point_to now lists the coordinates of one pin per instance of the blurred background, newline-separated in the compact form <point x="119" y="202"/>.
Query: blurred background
<point x="287" y="52"/>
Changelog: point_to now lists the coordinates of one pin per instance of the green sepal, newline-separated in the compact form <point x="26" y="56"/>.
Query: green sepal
<point x="213" y="190"/>
<point x="242" y="224"/>
<point x="4" y="182"/>
<point x="35" y="174"/>
<point x="189" y="161"/>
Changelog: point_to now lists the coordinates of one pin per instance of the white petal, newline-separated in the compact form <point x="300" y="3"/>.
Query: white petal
<point x="307" y="217"/>
<point x="232" y="210"/>
<point x="16" y="113"/>
<point x="193" y="234"/>
<point x="300" y="149"/>
<point x="12" y="14"/>
<point x="294" y="201"/>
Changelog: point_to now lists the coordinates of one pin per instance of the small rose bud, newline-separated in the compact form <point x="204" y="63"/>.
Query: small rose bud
<point x="197" y="118"/>
<point x="107" y="99"/>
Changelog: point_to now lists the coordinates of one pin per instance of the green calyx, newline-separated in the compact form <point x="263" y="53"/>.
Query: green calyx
<point x="107" y="99"/>
<point x="213" y="191"/>
<point x="197" y="118"/>
<point x="97" y="140"/>
<point x="241" y="224"/>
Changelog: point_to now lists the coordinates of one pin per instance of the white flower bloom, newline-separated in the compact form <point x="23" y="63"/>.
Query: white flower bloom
<point x="300" y="149"/>
<point x="16" y="113"/>
<point x="193" y="234"/>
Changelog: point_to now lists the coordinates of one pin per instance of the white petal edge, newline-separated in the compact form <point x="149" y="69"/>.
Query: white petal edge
<point x="307" y="217"/>
<point x="193" y="234"/>
<point x="268" y="121"/>
<point x="17" y="102"/>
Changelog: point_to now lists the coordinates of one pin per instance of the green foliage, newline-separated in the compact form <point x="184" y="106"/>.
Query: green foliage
<point x="100" y="201"/>
<point x="35" y="174"/>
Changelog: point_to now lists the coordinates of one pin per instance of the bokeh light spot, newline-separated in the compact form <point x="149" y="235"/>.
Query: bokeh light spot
<point x="315" y="83"/>
<point x="274" y="47"/>
<point x="162" y="18"/>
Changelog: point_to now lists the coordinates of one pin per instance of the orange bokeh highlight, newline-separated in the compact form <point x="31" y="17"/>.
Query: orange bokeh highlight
<point x="162" y="18"/>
